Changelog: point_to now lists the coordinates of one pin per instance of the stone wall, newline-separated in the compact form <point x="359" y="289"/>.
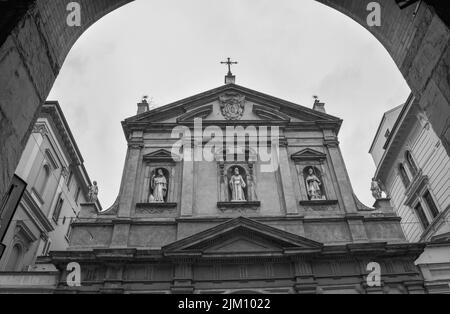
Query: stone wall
<point x="32" y="55"/>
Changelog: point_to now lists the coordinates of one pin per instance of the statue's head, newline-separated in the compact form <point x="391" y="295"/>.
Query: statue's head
<point x="236" y="171"/>
<point x="95" y="182"/>
<point x="311" y="171"/>
<point x="160" y="172"/>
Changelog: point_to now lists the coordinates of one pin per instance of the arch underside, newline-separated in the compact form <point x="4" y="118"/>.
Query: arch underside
<point x="32" y="54"/>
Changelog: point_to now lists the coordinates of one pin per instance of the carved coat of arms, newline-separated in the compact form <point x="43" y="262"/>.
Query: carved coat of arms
<point x="232" y="105"/>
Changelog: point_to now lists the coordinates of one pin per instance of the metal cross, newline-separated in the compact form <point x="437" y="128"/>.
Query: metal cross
<point x="229" y="63"/>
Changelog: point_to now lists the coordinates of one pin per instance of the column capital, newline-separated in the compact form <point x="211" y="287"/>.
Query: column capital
<point x="331" y="142"/>
<point x="134" y="144"/>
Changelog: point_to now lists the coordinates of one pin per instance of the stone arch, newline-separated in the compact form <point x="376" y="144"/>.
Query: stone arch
<point x="35" y="42"/>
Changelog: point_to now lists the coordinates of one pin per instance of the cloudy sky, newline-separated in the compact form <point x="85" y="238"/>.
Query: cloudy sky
<point x="171" y="49"/>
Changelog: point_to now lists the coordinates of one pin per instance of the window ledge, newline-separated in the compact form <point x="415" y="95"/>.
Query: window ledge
<point x="318" y="202"/>
<point x="163" y="209"/>
<point x="37" y="196"/>
<point x="434" y="226"/>
<point x="158" y="205"/>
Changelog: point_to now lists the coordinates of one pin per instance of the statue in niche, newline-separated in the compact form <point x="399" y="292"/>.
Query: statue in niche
<point x="313" y="185"/>
<point x="158" y="184"/>
<point x="93" y="192"/>
<point x="375" y="187"/>
<point x="237" y="186"/>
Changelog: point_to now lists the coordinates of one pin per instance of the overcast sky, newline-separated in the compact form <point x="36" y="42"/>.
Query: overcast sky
<point x="171" y="49"/>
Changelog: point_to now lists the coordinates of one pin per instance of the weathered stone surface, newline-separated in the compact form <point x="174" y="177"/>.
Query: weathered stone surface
<point x="42" y="40"/>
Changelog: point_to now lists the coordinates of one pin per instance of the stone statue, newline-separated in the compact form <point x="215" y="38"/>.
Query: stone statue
<point x="237" y="185"/>
<point x="376" y="189"/>
<point x="159" y="187"/>
<point x="93" y="192"/>
<point x="313" y="186"/>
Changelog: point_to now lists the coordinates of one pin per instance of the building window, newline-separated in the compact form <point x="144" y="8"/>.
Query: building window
<point x="51" y="159"/>
<point x="431" y="204"/>
<point x="69" y="230"/>
<point x="403" y="175"/>
<point x="411" y="164"/>
<point x="43" y="179"/>
<point x="46" y="247"/>
<point x="421" y="215"/>
<point x="77" y="196"/>
<point x="69" y="180"/>
<point x="57" y="211"/>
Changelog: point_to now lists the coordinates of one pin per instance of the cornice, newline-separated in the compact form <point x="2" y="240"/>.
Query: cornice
<point x="43" y="223"/>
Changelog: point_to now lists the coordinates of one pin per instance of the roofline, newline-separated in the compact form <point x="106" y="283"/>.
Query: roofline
<point x="55" y="103"/>
<point x="381" y="123"/>
<point x="80" y="166"/>
<point x="405" y="110"/>
<point x="217" y="89"/>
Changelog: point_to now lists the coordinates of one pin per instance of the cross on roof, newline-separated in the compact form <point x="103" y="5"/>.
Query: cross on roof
<point x="229" y="63"/>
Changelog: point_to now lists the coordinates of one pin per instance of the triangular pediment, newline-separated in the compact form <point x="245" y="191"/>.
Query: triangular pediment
<point x="240" y="242"/>
<point x="159" y="155"/>
<point x="209" y="106"/>
<point x="203" y="112"/>
<point x="308" y="154"/>
<point x="242" y="236"/>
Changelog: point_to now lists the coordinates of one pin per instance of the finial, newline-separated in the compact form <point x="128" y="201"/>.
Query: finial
<point x="229" y="78"/>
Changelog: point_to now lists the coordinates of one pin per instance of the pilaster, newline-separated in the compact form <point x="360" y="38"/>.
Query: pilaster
<point x="132" y="163"/>
<point x="286" y="181"/>
<point x="343" y="180"/>
<point x="305" y="282"/>
<point x="187" y="191"/>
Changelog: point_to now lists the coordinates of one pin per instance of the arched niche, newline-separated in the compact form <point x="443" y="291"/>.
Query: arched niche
<point x="314" y="180"/>
<point x="160" y="159"/>
<point x="243" y="173"/>
<point x="53" y="46"/>
<point x="154" y="174"/>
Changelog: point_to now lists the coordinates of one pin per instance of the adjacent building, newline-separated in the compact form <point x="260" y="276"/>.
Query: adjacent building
<point x="272" y="211"/>
<point x="56" y="182"/>
<point x="414" y="168"/>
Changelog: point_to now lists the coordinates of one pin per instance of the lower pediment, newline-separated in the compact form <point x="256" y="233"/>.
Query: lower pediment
<point x="242" y="236"/>
<point x="242" y="244"/>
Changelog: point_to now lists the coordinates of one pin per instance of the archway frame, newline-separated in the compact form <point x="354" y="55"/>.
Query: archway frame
<point x="34" y="51"/>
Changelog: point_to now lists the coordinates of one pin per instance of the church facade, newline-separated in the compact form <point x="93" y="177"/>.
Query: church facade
<point x="267" y="208"/>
